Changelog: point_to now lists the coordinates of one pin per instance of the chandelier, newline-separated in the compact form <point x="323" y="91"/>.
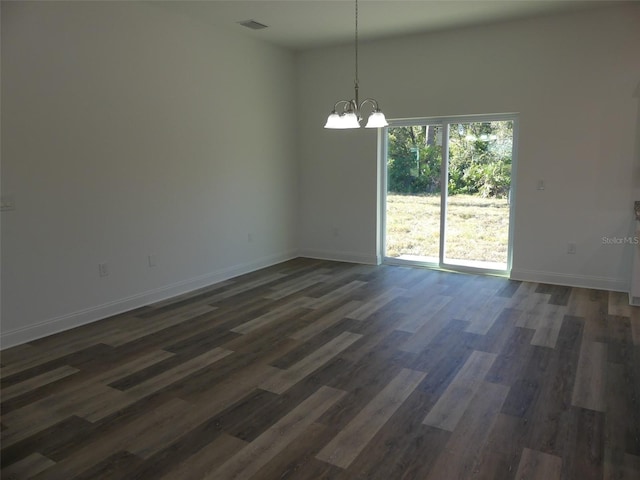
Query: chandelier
<point x="350" y="114"/>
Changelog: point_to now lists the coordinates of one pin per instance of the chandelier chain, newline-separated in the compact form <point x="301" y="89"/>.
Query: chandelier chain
<point x="356" y="40"/>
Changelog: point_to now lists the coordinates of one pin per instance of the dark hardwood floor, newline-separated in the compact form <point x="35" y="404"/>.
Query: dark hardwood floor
<point x="324" y="370"/>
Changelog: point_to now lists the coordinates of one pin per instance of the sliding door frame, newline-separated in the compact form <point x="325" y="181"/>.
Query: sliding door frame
<point x="444" y="123"/>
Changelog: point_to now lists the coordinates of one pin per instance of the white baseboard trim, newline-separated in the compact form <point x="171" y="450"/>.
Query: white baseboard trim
<point x="350" y="257"/>
<point x="582" y="281"/>
<point x="99" y="312"/>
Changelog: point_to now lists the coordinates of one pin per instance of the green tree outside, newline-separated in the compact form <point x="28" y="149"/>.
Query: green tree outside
<point x="479" y="159"/>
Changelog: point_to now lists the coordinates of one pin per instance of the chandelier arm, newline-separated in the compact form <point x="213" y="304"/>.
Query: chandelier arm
<point x="346" y="102"/>
<point x="373" y="102"/>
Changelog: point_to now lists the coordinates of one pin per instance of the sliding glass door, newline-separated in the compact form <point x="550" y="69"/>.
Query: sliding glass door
<point x="448" y="192"/>
<point x="414" y="164"/>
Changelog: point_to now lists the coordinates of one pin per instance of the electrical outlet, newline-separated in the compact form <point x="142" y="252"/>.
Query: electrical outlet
<point x="571" y="248"/>
<point x="103" y="271"/>
<point x="7" y="203"/>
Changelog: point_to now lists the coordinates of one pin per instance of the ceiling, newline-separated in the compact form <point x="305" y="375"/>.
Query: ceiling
<point x="305" y="24"/>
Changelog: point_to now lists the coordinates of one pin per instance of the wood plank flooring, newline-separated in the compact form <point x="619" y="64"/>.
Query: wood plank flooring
<point x="325" y="370"/>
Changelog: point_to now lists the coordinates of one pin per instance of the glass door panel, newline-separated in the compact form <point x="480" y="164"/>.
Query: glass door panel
<point x="414" y="190"/>
<point x="478" y="188"/>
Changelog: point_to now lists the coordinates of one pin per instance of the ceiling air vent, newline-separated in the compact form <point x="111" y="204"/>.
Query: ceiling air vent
<point x="252" y="24"/>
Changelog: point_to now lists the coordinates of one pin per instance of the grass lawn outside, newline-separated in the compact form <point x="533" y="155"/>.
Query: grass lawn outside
<point x="477" y="228"/>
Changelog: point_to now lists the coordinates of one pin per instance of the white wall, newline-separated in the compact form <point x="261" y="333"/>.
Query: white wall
<point x="572" y="80"/>
<point x="129" y="131"/>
